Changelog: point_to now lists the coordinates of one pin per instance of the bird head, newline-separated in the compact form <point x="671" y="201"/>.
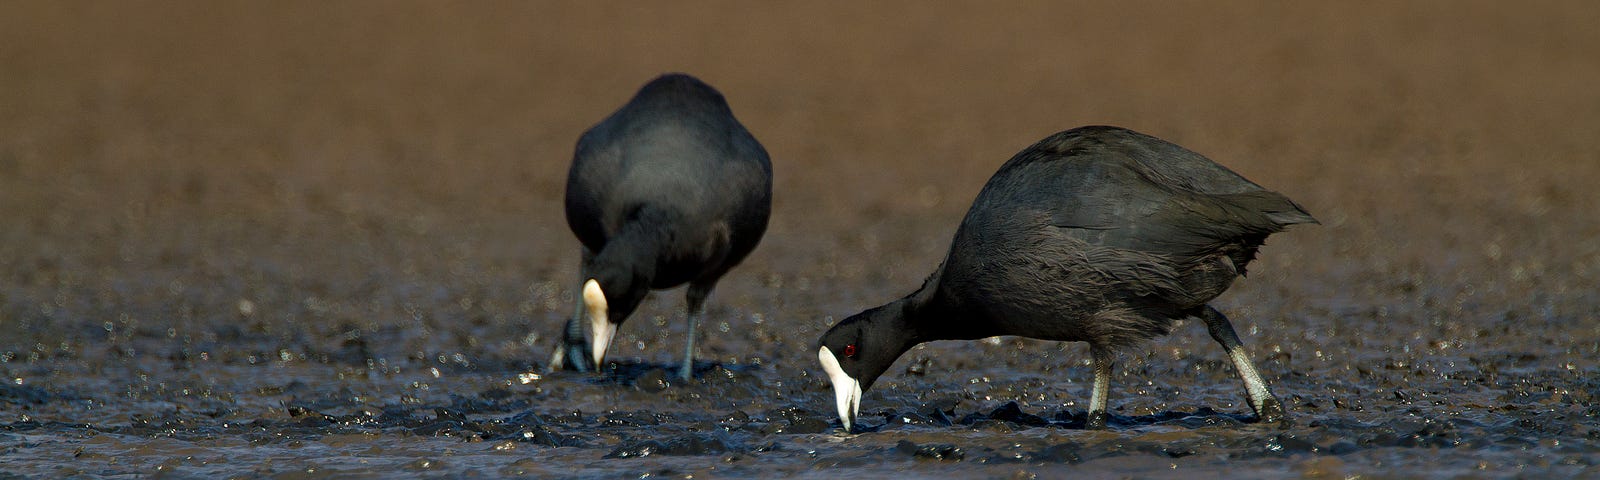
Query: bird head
<point x="609" y="297"/>
<point x="856" y="351"/>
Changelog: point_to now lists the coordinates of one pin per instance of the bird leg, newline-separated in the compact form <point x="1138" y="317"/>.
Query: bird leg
<point x="572" y="349"/>
<point x="1267" y="407"/>
<point x="1101" y="361"/>
<point x="573" y="345"/>
<point x="696" y="298"/>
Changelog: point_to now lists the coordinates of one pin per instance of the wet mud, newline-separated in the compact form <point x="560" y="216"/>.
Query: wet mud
<point x="325" y="240"/>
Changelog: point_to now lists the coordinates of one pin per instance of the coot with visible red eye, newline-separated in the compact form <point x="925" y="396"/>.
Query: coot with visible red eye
<point x="670" y="189"/>
<point x="1097" y="234"/>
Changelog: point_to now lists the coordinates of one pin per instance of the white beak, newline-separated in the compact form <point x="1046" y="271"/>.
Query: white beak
<point x="601" y="330"/>
<point x="846" y="390"/>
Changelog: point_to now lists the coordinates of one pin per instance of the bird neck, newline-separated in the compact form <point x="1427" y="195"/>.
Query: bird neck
<point x="929" y="315"/>
<point x="626" y="268"/>
<point x="891" y="333"/>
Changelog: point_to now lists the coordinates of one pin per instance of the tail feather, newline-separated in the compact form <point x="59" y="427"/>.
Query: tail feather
<point x="1275" y="207"/>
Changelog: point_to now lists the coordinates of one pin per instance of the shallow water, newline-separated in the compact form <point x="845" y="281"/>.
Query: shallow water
<point x="294" y="241"/>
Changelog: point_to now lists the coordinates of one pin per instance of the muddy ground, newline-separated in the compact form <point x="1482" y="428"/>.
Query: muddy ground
<point x="298" y="239"/>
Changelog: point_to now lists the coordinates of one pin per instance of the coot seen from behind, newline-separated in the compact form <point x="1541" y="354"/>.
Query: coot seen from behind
<point x="669" y="189"/>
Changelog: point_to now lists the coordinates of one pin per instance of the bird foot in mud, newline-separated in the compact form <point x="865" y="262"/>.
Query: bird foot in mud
<point x="1096" y="421"/>
<point x="570" y="357"/>
<point x="1270" y="410"/>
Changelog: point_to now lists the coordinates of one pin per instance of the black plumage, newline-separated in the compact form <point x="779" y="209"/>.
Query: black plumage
<point x="1097" y="234"/>
<point x="670" y="189"/>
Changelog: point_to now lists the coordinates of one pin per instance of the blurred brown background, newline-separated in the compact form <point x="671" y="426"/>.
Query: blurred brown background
<point x="346" y="165"/>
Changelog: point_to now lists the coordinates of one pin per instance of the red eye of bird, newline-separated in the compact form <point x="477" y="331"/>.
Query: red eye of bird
<point x="850" y="350"/>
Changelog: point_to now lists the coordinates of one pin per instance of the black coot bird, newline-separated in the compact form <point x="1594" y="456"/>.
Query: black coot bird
<point x="1097" y="234"/>
<point x="670" y="189"/>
